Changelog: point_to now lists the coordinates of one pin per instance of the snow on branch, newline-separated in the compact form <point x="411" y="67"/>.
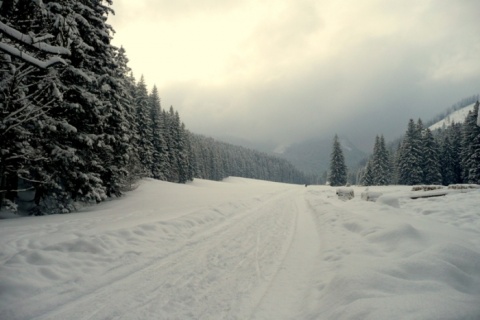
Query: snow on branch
<point x="34" y="42"/>
<point x="29" y="59"/>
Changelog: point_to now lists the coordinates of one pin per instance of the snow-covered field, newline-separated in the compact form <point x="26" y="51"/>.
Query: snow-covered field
<point x="246" y="249"/>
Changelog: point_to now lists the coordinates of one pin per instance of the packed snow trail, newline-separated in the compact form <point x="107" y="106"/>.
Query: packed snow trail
<point x="288" y="291"/>
<point x="212" y="262"/>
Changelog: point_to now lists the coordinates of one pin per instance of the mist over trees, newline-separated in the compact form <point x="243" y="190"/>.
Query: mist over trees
<point x="449" y="155"/>
<point x="75" y="125"/>
<point x="216" y="160"/>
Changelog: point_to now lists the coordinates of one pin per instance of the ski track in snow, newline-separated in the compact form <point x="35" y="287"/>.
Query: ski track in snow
<point x="210" y="263"/>
<point x="246" y="249"/>
<point x="220" y="263"/>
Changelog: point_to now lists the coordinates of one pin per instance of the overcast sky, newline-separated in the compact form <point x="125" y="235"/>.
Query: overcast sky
<point x="286" y="70"/>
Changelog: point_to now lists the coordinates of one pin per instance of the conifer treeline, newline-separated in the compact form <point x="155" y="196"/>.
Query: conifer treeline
<point x="216" y="160"/>
<point x="79" y="127"/>
<point x="450" y="155"/>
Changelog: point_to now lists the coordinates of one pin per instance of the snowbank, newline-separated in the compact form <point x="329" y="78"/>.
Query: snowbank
<point x="417" y="259"/>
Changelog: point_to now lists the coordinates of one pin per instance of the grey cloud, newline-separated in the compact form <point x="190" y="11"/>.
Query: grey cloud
<point x="169" y="10"/>
<point x="370" y="81"/>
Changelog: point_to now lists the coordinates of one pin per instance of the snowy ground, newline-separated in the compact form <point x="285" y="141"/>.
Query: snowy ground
<point x="246" y="249"/>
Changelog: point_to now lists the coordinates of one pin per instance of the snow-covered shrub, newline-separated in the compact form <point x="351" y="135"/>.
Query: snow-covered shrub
<point x="370" y="195"/>
<point x="345" y="193"/>
<point x="9" y="206"/>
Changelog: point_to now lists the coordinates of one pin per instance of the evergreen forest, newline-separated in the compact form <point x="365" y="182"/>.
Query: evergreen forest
<point x="450" y="155"/>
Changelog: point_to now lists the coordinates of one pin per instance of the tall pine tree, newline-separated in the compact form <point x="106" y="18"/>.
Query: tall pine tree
<point x="144" y="127"/>
<point x="338" y="169"/>
<point x="381" y="166"/>
<point x="409" y="156"/>
<point x="430" y="159"/>
<point x="160" y="156"/>
<point x="471" y="147"/>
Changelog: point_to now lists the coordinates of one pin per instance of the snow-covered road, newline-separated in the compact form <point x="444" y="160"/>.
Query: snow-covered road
<point x="245" y="249"/>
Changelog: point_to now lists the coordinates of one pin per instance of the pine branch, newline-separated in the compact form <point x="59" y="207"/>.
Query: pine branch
<point x="18" y="190"/>
<point x="29" y="59"/>
<point x="30" y="41"/>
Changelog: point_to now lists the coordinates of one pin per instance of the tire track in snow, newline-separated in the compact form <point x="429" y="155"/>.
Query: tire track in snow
<point x="288" y="291"/>
<point x="225" y="263"/>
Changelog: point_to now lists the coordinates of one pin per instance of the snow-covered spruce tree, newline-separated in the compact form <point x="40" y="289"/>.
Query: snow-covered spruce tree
<point x="171" y="140"/>
<point x="456" y="137"/>
<point x="183" y="158"/>
<point x="338" y="169"/>
<point x="28" y="90"/>
<point x="431" y="161"/>
<point x="144" y="127"/>
<point x="91" y="157"/>
<point x="192" y="158"/>
<point x="368" y="175"/>
<point x="133" y="167"/>
<point x="471" y="147"/>
<point x="409" y="158"/>
<point x="160" y="152"/>
<point x="381" y="167"/>
<point x="176" y="139"/>
<point x="119" y="132"/>
<point x="447" y="157"/>
<point x="215" y="166"/>
<point x="393" y="167"/>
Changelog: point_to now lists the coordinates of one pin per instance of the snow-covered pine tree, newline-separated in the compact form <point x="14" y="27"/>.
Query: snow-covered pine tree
<point x="29" y="91"/>
<point x="176" y="139"/>
<point x="144" y="127"/>
<point x="471" y="147"/>
<point x="183" y="158"/>
<point x="338" y="169"/>
<point x="91" y="156"/>
<point x="381" y="166"/>
<point x="409" y="156"/>
<point x="368" y="175"/>
<point x="172" y="144"/>
<point x="133" y="167"/>
<point x="394" y="155"/>
<point x="85" y="132"/>
<point x="160" y="152"/>
<point x="192" y="157"/>
<point x="430" y="159"/>
<point x="456" y="137"/>
<point x="447" y="156"/>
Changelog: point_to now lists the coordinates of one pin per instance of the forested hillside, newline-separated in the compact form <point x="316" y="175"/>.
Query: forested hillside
<point x="216" y="160"/>
<point x="76" y="126"/>
<point x="448" y="155"/>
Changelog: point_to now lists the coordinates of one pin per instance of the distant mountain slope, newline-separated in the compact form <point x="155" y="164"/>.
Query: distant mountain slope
<point x="455" y="117"/>
<point x="313" y="156"/>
